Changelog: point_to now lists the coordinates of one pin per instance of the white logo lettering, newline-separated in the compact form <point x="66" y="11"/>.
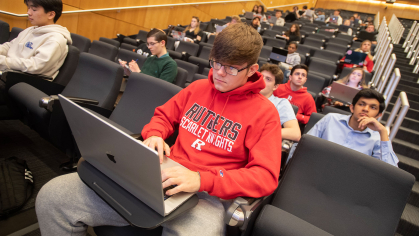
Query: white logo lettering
<point x="197" y="144"/>
<point x="289" y="97"/>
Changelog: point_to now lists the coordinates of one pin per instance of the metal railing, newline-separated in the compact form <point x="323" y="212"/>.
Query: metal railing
<point x="391" y="87"/>
<point x="402" y="102"/>
<point x="380" y="67"/>
<point x="380" y="53"/>
<point x="396" y="29"/>
<point x="388" y="69"/>
<point x="412" y="47"/>
<point x="411" y="34"/>
<point x="416" y="69"/>
<point x="139" y="7"/>
<point x="377" y="20"/>
<point x="411" y="38"/>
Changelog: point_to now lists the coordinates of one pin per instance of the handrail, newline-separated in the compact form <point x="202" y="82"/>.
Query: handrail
<point x="382" y="84"/>
<point x="391" y="87"/>
<point x="289" y="5"/>
<point x="380" y="67"/>
<point x="410" y="34"/>
<point x="401" y="101"/>
<point x="137" y="7"/>
<point x="412" y="47"/>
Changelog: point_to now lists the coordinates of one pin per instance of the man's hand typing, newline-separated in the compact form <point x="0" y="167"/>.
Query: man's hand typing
<point x="186" y="180"/>
<point x="157" y="143"/>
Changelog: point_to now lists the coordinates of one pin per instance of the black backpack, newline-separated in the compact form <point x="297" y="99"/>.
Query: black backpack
<point x="16" y="185"/>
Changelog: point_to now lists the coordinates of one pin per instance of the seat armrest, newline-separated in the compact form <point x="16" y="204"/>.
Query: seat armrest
<point x="43" y="84"/>
<point x="240" y="211"/>
<point x="273" y="221"/>
<point x="48" y="102"/>
<point x="137" y="136"/>
<point x="286" y="145"/>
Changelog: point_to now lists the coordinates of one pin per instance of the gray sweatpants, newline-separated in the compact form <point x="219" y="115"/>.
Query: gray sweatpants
<point x="66" y="206"/>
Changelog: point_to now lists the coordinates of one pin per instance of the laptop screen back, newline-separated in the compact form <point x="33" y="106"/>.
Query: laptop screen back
<point x="278" y="55"/>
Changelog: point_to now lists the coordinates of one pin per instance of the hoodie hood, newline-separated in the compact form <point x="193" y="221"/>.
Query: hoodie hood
<point x="301" y="90"/>
<point x="38" y="31"/>
<point x="254" y="85"/>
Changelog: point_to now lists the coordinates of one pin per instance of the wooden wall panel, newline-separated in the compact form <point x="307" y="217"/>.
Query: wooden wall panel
<point x="130" y="21"/>
<point x="400" y="10"/>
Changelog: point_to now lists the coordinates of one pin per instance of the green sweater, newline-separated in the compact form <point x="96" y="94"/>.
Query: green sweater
<point x="164" y="67"/>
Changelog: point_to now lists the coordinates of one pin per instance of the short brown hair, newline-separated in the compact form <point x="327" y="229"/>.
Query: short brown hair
<point x="237" y="44"/>
<point x="275" y="71"/>
<point x="158" y="35"/>
<point x="236" y="17"/>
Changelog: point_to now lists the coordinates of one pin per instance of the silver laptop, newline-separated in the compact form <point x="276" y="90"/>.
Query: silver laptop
<point x="125" y="160"/>
<point x="271" y="19"/>
<point x="248" y="15"/>
<point x="178" y="35"/>
<point x="342" y="92"/>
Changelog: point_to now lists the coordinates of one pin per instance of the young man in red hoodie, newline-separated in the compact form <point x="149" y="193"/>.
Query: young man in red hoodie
<point x="228" y="141"/>
<point x="297" y="94"/>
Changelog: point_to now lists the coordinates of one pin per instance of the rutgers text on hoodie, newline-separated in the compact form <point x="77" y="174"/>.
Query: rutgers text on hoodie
<point x="300" y="98"/>
<point x="233" y="139"/>
<point x="36" y="50"/>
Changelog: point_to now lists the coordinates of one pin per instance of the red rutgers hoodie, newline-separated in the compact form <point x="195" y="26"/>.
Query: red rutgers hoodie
<point x="300" y="98"/>
<point x="233" y="139"/>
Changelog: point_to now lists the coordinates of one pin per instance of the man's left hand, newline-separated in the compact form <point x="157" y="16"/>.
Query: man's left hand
<point x="186" y="180"/>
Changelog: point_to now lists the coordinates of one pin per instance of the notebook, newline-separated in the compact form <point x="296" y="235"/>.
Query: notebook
<point x="356" y="58"/>
<point x="127" y="161"/>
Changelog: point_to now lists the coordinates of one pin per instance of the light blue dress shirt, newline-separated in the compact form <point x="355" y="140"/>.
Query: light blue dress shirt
<point x="284" y="108"/>
<point x="335" y="128"/>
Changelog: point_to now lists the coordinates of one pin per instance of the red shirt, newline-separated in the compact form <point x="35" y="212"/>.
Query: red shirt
<point x="300" y="98"/>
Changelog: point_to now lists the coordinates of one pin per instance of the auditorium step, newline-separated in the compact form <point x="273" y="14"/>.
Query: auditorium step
<point x="414" y="195"/>
<point x="408" y="82"/>
<point x="410" y="165"/>
<point x="409" y="222"/>
<point x="413" y="104"/>
<point x="408" y="135"/>
<point x="406" y="149"/>
<point x="408" y="88"/>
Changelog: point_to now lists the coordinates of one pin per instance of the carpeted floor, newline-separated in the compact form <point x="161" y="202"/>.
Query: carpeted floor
<point x="16" y="139"/>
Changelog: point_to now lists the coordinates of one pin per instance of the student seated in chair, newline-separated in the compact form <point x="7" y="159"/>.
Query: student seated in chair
<point x="360" y="131"/>
<point x="42" y="48"/>
<point x="273" y="77"/>
<point x="293" y="59"/>
<point x="160" y="64"/>
<point x="297" y="94"/>
<point x="228" y="134"/>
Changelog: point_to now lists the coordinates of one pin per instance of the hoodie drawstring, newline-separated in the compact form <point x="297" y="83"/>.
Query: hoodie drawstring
<point x="225" y="104"/>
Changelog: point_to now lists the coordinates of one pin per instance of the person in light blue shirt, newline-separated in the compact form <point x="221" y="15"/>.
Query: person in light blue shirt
<point x="320" y="16"/>
<point x="360" y="131"/>
<point x="272" y="76"/>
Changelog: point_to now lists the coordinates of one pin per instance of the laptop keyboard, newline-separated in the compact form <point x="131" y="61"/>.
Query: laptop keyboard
<point x="164" y="191"/>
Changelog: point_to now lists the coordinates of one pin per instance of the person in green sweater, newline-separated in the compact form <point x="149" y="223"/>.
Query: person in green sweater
<point x="160" y="64"/>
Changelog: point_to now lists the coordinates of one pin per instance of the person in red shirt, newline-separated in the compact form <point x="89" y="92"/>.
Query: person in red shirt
<point x="228" y="142"/>
<point x="297" y="94"/>
<point x="368" y="63"/>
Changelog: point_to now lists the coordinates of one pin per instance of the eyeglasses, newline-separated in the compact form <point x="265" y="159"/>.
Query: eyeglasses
<point x="152" y="44"/>
<point x="228" y="69"/>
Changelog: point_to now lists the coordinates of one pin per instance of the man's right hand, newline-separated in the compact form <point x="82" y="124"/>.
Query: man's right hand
<point x="157" y="143"/>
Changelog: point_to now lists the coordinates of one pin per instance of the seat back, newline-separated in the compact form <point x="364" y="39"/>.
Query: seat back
<point x="314" y="118"/>
<point x="330" y="109"/>
<point x="211" y="39"/>
<point x="295" y="108"/>
<point x="336" y="48"/>
<point x="81" y="42"/>
<point x="340" y="41"/>
<point x="69" y="66"/>
<point x="304" y="49"/>
<point x="205" y="52"/>
<point x="103" y="50"/>
<point x="110" y="41"/>
<point x="317" y="43"/>
<point x="317" y="36"/>
<point x="342" y="191"/>
<point x="170" y="45"/>
<point x="327" y="55"/>
<point x="133" y="114"/>
<point x="4" y="31"/>
<point x="128" y="47"/>
<point x="349" y="38"/>
<point x="323" y="67"/>
<point x="206" y="71"/>
<point x="191" y="68"/>
<point x="278" y="43"/>
<point x="14" y="33"/>
<point x="280" y="29"/>
<point x="181" y="77"/>
<point x="128" y="56"/>
<point x="265" y="52"/>
<point x="130" y="41"/>
<point x="142" y="35"/>
<point x="271" y="33"/>
<point x="95" y="78"/>
<point x="190" y="48"/>
<point x="314" y="83"/>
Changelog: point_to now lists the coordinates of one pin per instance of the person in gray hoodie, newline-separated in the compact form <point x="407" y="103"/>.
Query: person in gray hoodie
<point x="293" y="58"/>
<point x="42" y="48"/>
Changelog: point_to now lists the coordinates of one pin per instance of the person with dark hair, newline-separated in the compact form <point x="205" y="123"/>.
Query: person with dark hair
<point x="273" y="77"/>
<point x="279" y="20"/>
<point x="255" y="9"/>
<point x="293" y="16"/>
<point x="360" y="131"/>
<point x="256" y="23"/>
<point x="293" y="34"/>
<point x="335" y="19"/>
<point x="297" y="94"/>
<point x="261" y="13"/>
<point x="308" y="14"/>
<point x="320" y="16"/>
<point x="42" y="48"/>
<point x="193" y="33"/>
<point x="160" y="64"/>
<point x="228" y="142"/>
<point x="293" y="59"/>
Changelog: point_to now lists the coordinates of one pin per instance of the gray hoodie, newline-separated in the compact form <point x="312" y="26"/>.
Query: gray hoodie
<point x="293" y="59"/>
<point x="36" y="50"/>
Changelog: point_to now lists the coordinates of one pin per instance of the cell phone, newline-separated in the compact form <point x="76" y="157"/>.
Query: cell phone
<point x="127" y="70"/>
